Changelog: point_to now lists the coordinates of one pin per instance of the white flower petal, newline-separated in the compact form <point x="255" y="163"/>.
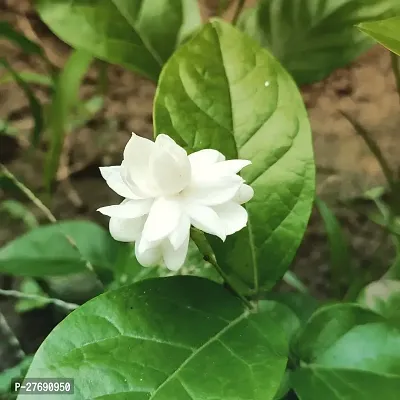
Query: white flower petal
<point x="181" y="232"/>
<point x="244" y="194"/>
<point x="175" y="258"/>
<point x="169" y="166"/>
<point x="229" y="167"/>
<point x="150" y="257"/>
<point x="213" y="191"/>
<point x="136" y="164"/>
<point x="205" y="157"/>
<point x="148" y="192"/>
<point x="126" y="230"/>
<point x="163" y="218"/>
<point x="113" y="178"/>
<point x="233" y="216"/>
<point x="127" y="209"/>
<point x="145" y="245"/>
<point x="206" y="219"/>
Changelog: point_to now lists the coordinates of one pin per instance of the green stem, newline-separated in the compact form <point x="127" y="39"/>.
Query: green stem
<point x="10" y="338"/>
<point x="291" y="279"/>
<point x="238" y="11"/>
<point x="57" y="302"/>
<point x="396" y="70"/>
<point x="205" y="249"/>
<point x="374" y="148"/>
<point x="29" y="194"/>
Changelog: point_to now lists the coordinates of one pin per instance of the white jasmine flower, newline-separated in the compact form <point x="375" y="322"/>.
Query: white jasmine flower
<point x="166" y="191"/>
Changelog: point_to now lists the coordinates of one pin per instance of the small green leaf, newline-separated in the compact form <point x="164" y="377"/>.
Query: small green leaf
<point x="30" y="287"/>
<point x="85" y="111"/>
<point x="29" y="77"/>
<point x="47" y="250"/>
<point x="221" y="90"/>
<point x="383" y="297"/>
<point x="327" y="325"/>
<point x="7" y="129"/>
<point x="386" y="32"/>
<point x="171" y="338"/>
<point x="340" y="260"/>
<point x="35" y="106"/>
<point x="65" y="97"/>
<point x="312" y="38"/>
<point x="18" y="210"/>
<point x="138" y="34"/>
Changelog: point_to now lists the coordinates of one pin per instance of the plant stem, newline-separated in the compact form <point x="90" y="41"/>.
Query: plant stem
<point x="291" y="279"/>
<point x="29" y="194"/>
<point x="9" y="338"/>
<point x="238" y="11"/>
<point x="396" y="70"/>
<point x="205" y="249"/>
<point x="374" y="148"/>
<point x="56" y="302"/>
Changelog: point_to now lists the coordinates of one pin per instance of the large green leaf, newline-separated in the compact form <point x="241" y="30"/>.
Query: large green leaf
<point x="314" y="37"/>
<point x="221" y="90"/>
<point x="175" y="338"/>
<point x="138" y="34"/>
<point x="364" y="364"/>
<point x="386" y="32"/>
<point x="348" y="352"/>
<point x="47" y="250"/>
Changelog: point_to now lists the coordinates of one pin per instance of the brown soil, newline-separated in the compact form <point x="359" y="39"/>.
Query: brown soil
<point x="366" y="90"/>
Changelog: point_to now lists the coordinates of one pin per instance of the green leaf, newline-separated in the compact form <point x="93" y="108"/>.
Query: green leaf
<point x="138" y="34"/>
<point x="340" y="260"/>
<point x="29" y="77"/>
<point x="34" y="105"/>
<point x="7" y="129"/>
<point x="47" y="250"/>
<point x="30" y="287"/>
<point x="85" y="111"/>
<point x="383" y="297"/>
<point x="315" y="382"/>
<point x="213" y="94"/>
<point x="16" y="372"/>
<point x="18" y="210"/>
<point x="353" y="354"/>
<point x="29" y="47"/>
<point x="282" y="315"/>
<point x="303" y="305"/>
<point x="312" y="38"/>
<point x="327" y="325"/>
<point x="65" y="97"/>
<point x="169" y="338"/>
<point x="386" y="32"/>
<point x="365" y="357"/>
